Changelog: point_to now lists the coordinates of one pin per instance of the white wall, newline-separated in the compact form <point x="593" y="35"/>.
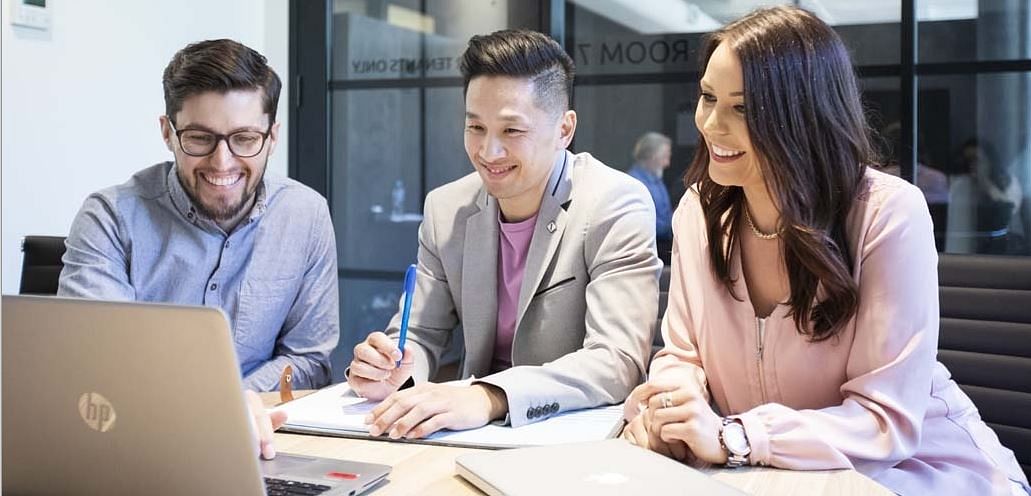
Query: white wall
<point x="80" y="103"/>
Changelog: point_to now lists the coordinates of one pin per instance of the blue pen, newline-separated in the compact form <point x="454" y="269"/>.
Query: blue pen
<point x="409" y="293"/>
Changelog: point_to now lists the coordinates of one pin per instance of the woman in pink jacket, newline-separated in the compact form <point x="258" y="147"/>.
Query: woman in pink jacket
<point x="804" y="294"/>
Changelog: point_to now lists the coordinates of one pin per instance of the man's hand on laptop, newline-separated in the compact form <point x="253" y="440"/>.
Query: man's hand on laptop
<point x="374" y="372"/>
<point x="427" y="408"/>
<point x="263" y="423"/>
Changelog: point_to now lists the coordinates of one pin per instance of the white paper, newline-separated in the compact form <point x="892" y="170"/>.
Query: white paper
<point x="334" y="407"/>
<point x="593" y="424"/>
<point x="337" y="410"/>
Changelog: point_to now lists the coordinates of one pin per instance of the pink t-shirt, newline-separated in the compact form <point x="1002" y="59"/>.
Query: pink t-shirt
<point x="513" y="245"/>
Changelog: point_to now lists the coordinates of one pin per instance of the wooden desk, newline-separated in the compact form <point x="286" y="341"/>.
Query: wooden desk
<point x="430" y="470"/>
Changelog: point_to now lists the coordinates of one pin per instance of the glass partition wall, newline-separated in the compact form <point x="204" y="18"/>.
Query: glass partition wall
<point x="376" y="120"/>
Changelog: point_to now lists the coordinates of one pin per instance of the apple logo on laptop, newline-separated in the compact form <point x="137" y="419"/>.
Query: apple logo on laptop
<point x="607" y="479"/>
<point x="96" y="411"/>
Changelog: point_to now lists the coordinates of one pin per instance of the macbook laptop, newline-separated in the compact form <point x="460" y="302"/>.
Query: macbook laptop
<point x="134" y="398"/>
<point x="613" y="466"/>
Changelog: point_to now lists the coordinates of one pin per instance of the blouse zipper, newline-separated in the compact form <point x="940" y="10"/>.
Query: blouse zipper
<point x="760" y="332"/>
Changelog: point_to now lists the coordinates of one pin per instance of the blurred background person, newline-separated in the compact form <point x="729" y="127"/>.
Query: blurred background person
<point x="989" y="193"/>
<point x="651" y="158"/>
<point x="933" y="183"/>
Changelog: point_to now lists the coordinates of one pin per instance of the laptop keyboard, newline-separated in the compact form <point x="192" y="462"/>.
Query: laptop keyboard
<point x="281" y="487"/>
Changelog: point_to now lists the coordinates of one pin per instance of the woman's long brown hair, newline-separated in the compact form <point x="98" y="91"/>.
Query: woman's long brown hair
<point x="809" y="133"/>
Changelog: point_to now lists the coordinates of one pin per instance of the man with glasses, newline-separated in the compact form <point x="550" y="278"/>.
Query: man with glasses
<point x="211" y="228"/>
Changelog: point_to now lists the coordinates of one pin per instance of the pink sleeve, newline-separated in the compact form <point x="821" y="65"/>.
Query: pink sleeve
<point x="678" y="362"/>
<point x="891" y="359"/>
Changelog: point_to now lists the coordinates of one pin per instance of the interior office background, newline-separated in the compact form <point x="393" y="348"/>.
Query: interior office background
<point x="373" y="107"/>
<point x="81" y="100"/>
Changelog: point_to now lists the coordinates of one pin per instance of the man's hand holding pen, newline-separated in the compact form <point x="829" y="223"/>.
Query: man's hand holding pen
<point x="375" y="371"/>
<point x="421" y="410"/>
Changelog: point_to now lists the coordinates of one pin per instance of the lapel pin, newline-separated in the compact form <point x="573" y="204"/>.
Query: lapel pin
<point x="551" y="227"/>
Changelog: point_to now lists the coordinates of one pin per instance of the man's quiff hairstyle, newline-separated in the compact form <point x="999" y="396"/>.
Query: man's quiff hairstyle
<point x="522" y="54"/>
<point x="220" y="66"/>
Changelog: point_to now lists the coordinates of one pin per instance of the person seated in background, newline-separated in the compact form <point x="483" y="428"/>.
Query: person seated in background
<point x="544" y="257"/>
<point x="932" y="182"/>
<point x="996" y="197"/>
<point x="211" y="228"/>
<point x="651" y="158"/>
<point x="804" y="294"/>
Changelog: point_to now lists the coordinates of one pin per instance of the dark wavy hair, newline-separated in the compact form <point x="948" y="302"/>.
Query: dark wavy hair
<point x="812" y="143"/>
<point x="220" y="66"/>
<point x="524" y="54"/>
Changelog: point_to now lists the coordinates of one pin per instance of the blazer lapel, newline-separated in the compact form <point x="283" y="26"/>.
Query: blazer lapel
<point x="551" y="223"/>
<point x="479" y="286"/>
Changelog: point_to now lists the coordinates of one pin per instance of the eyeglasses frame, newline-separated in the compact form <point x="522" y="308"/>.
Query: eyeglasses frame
<point x="220" y="137"/>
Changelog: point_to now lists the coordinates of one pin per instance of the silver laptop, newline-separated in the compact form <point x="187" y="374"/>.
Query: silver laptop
<point x="613" y="466"/>
<point x="133" y="398"/>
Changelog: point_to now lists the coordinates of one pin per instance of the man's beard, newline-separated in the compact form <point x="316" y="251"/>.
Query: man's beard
<point x="220" y="213"/>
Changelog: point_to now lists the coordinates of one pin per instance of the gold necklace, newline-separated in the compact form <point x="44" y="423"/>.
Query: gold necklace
<point x="759" y="234"/>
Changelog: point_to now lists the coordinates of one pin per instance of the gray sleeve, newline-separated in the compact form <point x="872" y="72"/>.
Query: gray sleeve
<point x="312" y="326"/>
<point x="433" y="316"/>
<point x="622" y="301"/>
<point x="96" y="259"/>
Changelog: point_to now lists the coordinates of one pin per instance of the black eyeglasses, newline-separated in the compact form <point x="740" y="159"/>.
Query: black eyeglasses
<point x="243" y="144"/>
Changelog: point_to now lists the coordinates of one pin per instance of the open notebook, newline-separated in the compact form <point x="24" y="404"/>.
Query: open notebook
<point x="337" y="411"/>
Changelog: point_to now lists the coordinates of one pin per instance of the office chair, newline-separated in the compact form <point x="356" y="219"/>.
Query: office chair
<point x="41" y="265"/>
<point x="985" y="340"/>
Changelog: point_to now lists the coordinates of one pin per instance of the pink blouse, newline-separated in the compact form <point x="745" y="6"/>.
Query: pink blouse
<point x="874" y="398"/>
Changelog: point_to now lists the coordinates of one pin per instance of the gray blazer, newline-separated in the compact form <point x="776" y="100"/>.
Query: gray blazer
<point x="587" y="304"/>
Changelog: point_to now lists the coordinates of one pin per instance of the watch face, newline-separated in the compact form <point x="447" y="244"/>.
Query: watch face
<point x="734" y="438"/>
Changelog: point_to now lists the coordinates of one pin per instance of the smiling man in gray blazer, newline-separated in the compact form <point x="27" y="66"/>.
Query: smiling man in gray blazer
<point x="545" y="258"/>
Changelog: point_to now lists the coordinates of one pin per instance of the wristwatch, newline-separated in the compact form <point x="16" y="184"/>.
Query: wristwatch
<point x="734" y="442"/>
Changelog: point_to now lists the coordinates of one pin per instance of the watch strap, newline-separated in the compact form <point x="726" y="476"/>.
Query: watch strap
<point x="734" y="460"/>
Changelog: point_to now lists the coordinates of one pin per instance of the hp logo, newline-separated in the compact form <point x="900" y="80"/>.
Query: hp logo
<point x="97" y="412"/>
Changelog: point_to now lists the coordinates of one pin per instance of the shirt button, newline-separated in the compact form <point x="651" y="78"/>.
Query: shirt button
<point x="213" y="286"/>
<point x="227" y="244"/>
<point x="189" y="215"/>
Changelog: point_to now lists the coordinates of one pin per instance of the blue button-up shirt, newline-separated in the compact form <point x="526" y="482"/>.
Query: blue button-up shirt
<point x="274" y="275"/>
<point x="660" y="195"/>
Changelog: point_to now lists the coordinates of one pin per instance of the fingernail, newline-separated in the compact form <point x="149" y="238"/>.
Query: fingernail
<point x="394" y="434"/>
<point x="268" y="451"/>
